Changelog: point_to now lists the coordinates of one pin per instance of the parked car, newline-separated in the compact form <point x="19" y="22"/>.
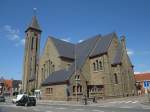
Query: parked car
<point x="2" y="99"/>
<point x="26" y="101"/>
<point x="18" y="98"/>
<point x="32" y="101"/>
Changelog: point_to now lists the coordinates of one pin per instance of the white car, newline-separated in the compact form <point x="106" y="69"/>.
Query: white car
<point x="18" y="98"/>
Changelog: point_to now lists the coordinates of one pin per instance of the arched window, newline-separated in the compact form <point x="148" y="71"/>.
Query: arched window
<point x="42" y="74"/>
<point x="74" y="88"/>
<point x="100" y="65"/>
<point x="36" y="44"/>
<point x="94" y="67"/>
<point x="77" y="77"/>
<point x="80" y="89"/>
<point x="32" y="42"/>
<point x="49" y="67"/>
<point x="97" y="65"/>
<point x="44" y="71"/>
<point x="116" y="78"/>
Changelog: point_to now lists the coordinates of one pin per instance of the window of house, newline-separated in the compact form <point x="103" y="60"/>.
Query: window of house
<point x="77" y="77"/>
<point x="42" y="74"/>
<point x="36" y="44"/>
<point x="32" y="42"/>
<point x="44" y="71"/>
<point x="94" y="66"/>
<point x="116" y="78"/>
<point x="49" y="71"/>
<point x="35" y="65"/>
<point x="97" y="65"/>
<point x="49" y="90"/>
<point x="80" y="89"/>
<point x="35" y="34"/>
<point x="74" y="88"/>
<point x="100" y="65"/>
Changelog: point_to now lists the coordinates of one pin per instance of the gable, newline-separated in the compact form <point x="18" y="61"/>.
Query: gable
<point x="65" y="49"/>
<point x="50" y="53"/>
<point x="118" y="56"/>
<point x="102" y="45"/>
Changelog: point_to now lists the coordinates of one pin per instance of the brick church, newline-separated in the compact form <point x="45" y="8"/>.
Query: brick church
<point x="97" y="67"/>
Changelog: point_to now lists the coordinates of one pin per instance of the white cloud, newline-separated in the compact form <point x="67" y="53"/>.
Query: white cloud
<point x="66" y="39"/>
<point x="13" y="34"/>
<point x="34" y="8"/>
<point x="80" y="40"/>
<point x="130" y="52"/>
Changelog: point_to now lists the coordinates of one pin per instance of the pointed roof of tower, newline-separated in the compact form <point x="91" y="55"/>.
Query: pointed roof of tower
<point x="34" y="24"/>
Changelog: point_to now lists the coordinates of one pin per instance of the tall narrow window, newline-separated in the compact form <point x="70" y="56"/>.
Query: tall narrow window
<point x="35" y="65"/>
<point x="97" y="65"/>
<point x="44" y="71"/>
<point x="32" y="42"/>
<point x="74" y="88"/>
<point x="42" y="74"/>
<point x="36" y="44"/>
<point x="94" y="67"/>
<point x="80" y="89"/>
<point x="51" y="91"/>
<point x="49" y="67"/>
<point x="116" y="78"/>
<point x="100" y="65"/>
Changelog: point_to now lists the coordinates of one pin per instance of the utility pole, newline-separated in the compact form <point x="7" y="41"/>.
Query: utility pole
<point x="76" y="75"/>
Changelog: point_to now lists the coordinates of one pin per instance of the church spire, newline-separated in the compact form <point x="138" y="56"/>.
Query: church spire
<point x="34" y="24"/>
<point x="31" y="57"/>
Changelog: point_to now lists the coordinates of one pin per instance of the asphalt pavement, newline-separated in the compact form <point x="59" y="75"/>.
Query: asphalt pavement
<point x="67" y="108"/>
<point x="133" y="104"/>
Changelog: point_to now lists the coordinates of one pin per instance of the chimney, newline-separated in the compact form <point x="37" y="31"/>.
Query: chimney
<point x="123" y="41"/>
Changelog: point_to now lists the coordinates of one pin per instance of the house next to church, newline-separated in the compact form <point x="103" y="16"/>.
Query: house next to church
<point x="97" y="67"/>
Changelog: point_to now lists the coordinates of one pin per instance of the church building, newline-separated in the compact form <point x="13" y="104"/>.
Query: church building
<point x="97" y="67"/>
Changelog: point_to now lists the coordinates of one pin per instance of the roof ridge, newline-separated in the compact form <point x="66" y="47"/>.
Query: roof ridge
<point x="52" y="37"/>
<point x="94" y="46"/>
<point x="98" y="35"/>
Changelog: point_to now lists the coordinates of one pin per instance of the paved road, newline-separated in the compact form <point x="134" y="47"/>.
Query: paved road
<point x="8" y="107"/>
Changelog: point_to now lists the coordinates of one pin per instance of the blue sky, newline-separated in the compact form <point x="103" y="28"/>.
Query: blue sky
<point x="73" y="20"/>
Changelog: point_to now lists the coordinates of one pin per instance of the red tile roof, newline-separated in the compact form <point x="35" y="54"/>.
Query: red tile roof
<point x="142" y="76"/>
<point x="8" y="83"/>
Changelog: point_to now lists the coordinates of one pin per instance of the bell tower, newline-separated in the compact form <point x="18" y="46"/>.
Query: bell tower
<point x="31" y="56"/>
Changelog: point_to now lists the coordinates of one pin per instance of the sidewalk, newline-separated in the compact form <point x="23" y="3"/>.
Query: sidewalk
<point x="140" y="99"/>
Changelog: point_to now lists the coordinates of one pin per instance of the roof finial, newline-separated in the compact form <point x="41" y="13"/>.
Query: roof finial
<point x="34" y="11"/>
